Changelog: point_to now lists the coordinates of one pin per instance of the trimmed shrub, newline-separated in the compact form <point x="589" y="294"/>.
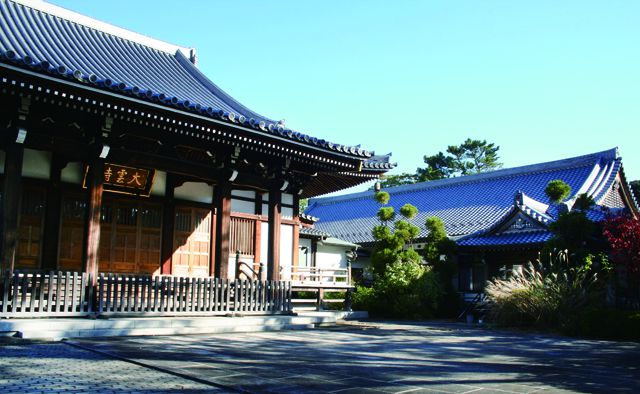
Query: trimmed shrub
<point x="406" y="290"/>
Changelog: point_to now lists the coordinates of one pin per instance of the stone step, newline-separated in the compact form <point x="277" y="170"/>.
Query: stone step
<point x="61" y="328"/>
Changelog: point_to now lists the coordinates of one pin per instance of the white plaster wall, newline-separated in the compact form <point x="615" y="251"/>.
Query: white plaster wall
<point x="72" y="173"/>
<point x="264" y="241"/>
<point x="304" y="259"/>
<point x="331" y="256"/>
<point x="159" y="184"/>
<point x="36" y="164"/>
<point x="195" y="191"/>
<point x="286" y="250"/>
<point x="287" y="198"/>
<point x="242" y="206"/>
<point x="244" y="193"/>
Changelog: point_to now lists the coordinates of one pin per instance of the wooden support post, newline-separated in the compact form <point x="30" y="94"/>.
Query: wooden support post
<point x="52" y="217"/>
<point x="295" y="253"/>
<point x="168" y="222"/>
<point x="257" y="240"/>
<point x="11" y="199"/>
<point x="223" y="229"/>
<point x="273" y="252"/>
<point x="319" y="306"/>
<point x="95" y="187"/>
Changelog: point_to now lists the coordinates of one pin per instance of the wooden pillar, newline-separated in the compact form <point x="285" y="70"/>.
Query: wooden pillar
<point x="95" y="187"/>
<point x="52" y="217"/>
<point x="275" y="217"/>
<point x="223" y="229"/>
<point x="257" y="241"/>
<point x="11" y="199"/>
<point x="296" y="234"/>
<point x="168" y="223"/>
<point x="212" y="234"/>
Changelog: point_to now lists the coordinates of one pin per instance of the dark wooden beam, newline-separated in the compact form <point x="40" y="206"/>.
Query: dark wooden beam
<point x="223" y="229"/>
<point x="95" y="188"/>
<point x="275" y="219"/>
<point x="11" y="199"/>
<point x="168" y="223"/>
<point x="52" y="216"/>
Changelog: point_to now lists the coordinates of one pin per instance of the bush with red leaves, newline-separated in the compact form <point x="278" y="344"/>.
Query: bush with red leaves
<point x="623" y="233"/>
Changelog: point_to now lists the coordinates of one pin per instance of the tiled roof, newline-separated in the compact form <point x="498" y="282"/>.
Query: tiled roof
<point x="50" y="40"/>
<point x="512" y="239"/>
<point x="470" y="204"/>
<point x="313" y="232"/>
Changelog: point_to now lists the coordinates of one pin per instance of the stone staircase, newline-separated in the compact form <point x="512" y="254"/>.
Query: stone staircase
<point x="61" y="328"/>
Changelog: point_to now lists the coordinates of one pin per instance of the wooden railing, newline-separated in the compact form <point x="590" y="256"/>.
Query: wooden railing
<point x="44" y="294"/>
<point x="70" y="294"/>
<point x="313" y="275"/>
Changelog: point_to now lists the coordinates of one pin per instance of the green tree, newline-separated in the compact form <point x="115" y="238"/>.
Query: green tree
<point x="470" y="157"/>
<point x="391" y="239"/>
<point x="403" y="286"/>
<point x="303" y="203"/>
<point x="437" y="242"/>
<point x="397" y="180"/>
<point x="557" y="190"/>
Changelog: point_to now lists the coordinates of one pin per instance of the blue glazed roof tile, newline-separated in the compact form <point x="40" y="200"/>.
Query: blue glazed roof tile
<point x="511" y="239"/>
<point x="472" y="204"/>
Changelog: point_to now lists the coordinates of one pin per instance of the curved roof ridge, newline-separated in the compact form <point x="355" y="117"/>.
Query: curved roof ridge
<point x="105" y="27"/>
<point x="609" y="154"/>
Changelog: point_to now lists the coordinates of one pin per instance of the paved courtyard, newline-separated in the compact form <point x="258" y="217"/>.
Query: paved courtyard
<point x="367" y="357"/>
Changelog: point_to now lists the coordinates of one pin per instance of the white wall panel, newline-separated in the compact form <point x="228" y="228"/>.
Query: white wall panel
<point x="195" y="191"/>
<point x="36" y="164"/>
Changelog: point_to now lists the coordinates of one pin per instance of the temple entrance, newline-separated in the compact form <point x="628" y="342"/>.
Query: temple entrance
<point x="31" y="223"/>
<point x="130" y="237"/>
<point x="191" y="242"/>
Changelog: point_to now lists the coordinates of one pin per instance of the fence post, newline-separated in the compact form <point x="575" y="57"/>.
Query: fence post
<point x="262" y="271"/>
<point x="320" y="298"/>
<point x="6" y="281"/>
<point x="237" y="264"/>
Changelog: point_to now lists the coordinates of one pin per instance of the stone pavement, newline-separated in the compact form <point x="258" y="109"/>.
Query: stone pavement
<point x="34" y="367"/>
<point x="372" y="357"/>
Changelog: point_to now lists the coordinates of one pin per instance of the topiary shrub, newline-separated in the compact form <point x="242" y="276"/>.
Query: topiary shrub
<point x="557" y="190"/>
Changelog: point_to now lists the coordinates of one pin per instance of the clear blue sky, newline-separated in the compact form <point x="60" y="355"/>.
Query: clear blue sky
<point x="544" y="80"/>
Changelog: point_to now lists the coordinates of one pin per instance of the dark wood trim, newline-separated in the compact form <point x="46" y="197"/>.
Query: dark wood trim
<point x="168" y="221"/>
<point x="245" y="215"/>
<point x="275" y="219"/>
<point x="95" y="187"/>
<point x="223" y="227"/>
<point x="11" y="199"/>
<point x="257" y="242"/>
<point x="259" y="202"/>
<point x="213" y="234"/>
<point x="51" y="233"/>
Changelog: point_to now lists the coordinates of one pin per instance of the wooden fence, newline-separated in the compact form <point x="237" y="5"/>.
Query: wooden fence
<point x="70" y="294"/>
<point x="44" y="294"/>
<point x="129" y="294"/>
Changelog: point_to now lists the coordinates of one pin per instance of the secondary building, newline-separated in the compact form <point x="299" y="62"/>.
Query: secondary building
<point x="499" y="219"/>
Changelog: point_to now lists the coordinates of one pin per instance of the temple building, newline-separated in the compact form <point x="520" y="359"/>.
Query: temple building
<point x="499" y="219"/>
<point x="119" y="156"/>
